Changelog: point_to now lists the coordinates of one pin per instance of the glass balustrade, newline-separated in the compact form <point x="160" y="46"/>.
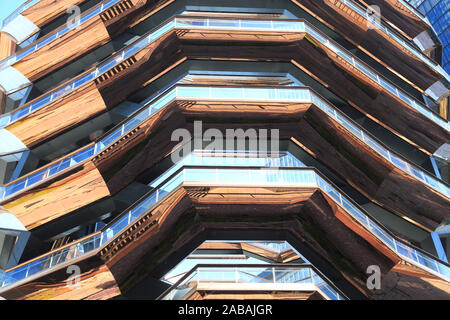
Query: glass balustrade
<point x="181" y="92"/>
<point x="298" y="278"/>
<point x="54" y="35"/>
<point x="398" y="38"/>
<point x="19" y="10"/>
<point x="132" y="49"/>
<point x="211" y="23"/>
<point x="277" y="246"/>
<point x="207" y="23"/>
<point x="282" y="159"/>
<point x="341" y="52"/>
<point x="286" y="177"/>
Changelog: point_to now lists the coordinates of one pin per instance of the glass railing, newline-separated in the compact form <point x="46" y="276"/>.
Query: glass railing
<point x="184" y="22"/>
<point x="186" y="92"/>
<point x="238" y="176"/>
<point x="398" y="38"/>
<point x="214" y="158"/>
<point x="293" y="278"/>
<point x="108" y="4"/>
<point x="273" y="245"/>
<point x="57" y="33"/>
<point x="379" y="148"/>
<point x="228" y="24"/>
<point x="47" y="172"/>
<point x="19" y="10"/>
<point x="371" y="73"/>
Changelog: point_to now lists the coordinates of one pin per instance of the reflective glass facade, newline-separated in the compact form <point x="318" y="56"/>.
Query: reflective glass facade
<point x="438" y="13"/>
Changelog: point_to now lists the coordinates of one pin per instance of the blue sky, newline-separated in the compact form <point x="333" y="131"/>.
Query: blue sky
<point x="8" y="6"/>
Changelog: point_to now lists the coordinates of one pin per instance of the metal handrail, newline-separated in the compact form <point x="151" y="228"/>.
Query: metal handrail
<point x="58" y="32"/>
<point x="233" y="267"/>
<point x="91" y="75"/>
<point x="18" y="11"/>
<point x="147" y="112"/>
<point x="414" y="255"/>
